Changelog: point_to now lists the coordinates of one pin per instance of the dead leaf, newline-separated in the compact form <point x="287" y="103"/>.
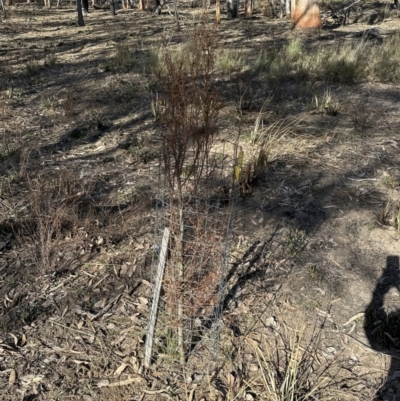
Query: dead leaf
<point x="132" y="270"/>
<point x="270" y="322"/>
<point x="135" y="318"/>
<point x="120" y="369"/>
<point x="134" y="363"/>
<point x="78" y="362"/>
<point x="352" y="328"/>
<point x="103" y="383"/>
<point x="64" y="311"/>
<point x="59" y="350"/>
<point x="14" y="337"/>
<point x="274" y="288"/>
<point x="30" y="379"/>
<point x="127" y="382"/>
<point x="332" y="350"/>
<point x="147" y="283"/>
<point x="253" y="367"/>
<point x="230" y="378"/>
<point x="357" y="316"/>
<point x="324" y="314"/>
<point x="90" y="339"/>
<point x="320" y="290"/>
<point x="191" y="394"/>
<point x="22" y="340"/>
<point x="12" y="377"/>
<point x="119" y="339"/>
<point x="101" y="303"/>
<point x="124" y="270"/>
<point x="138" y="246"/>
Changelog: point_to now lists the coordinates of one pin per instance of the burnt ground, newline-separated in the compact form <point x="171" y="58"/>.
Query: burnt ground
<point x="79" y="149"/>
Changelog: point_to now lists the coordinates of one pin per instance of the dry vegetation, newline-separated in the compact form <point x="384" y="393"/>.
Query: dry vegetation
<point x="89" y="116"/>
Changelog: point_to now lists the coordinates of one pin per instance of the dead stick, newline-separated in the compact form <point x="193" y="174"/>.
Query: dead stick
<point x="156" y="296"/>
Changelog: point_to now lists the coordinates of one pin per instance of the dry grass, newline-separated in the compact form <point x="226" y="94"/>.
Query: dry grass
<point x="344" y="63"/>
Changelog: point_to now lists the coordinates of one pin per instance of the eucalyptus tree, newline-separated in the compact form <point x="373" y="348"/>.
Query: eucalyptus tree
<point x="306" y="14"/>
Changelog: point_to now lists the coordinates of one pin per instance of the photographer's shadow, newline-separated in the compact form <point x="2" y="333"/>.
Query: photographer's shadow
<point x="382" y="327"/>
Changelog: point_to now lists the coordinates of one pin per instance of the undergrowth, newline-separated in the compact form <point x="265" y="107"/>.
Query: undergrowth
<point x="296" y="62"/>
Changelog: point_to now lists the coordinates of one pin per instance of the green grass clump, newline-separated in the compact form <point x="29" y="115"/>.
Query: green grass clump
<point x="229" y="62"/>
<point x="344" y="63"/>
<point x="385" y="60"/>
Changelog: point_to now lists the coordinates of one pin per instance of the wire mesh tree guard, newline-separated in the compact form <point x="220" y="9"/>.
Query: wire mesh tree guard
<point x="192" y="239"/>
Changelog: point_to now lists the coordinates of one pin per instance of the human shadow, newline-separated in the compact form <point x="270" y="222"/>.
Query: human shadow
<point x="382" y="327"/>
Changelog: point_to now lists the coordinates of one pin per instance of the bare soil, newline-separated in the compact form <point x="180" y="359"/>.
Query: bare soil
<point x="310" y="244"/>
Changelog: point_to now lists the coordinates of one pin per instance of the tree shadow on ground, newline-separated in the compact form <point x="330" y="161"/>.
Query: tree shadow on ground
<point x="382" y="327"/>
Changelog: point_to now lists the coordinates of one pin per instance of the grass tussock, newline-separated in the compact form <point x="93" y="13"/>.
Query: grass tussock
<point x="229" y="62"/>
<point x="289" y="369"/>
<point x="345" y="63"/>
<point x="297" y="63"/>
<point x="128" y="59"/>
<point x="326" y="103"/>
<point x="385" y="60"/>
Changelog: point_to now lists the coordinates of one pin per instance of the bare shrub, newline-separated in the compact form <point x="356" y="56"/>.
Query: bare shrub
<point x="188" y="130"/>
<point x="56" y="224"/>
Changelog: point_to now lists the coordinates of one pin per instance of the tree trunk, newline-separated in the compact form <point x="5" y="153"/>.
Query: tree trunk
<point x="3" y="8"/>
<point x="232" y="8"/>
<point x="249" y="5"/>
<point x="85" y="7"/>
<point x="282" y="8"/>
<point x="178" y="26"/>
<point x="218" y="11"/>
<point x="288" y="3"/>
<point x="112" y="8"/>
<point x="306" y="14"/>
<point x="81" y="22"/>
